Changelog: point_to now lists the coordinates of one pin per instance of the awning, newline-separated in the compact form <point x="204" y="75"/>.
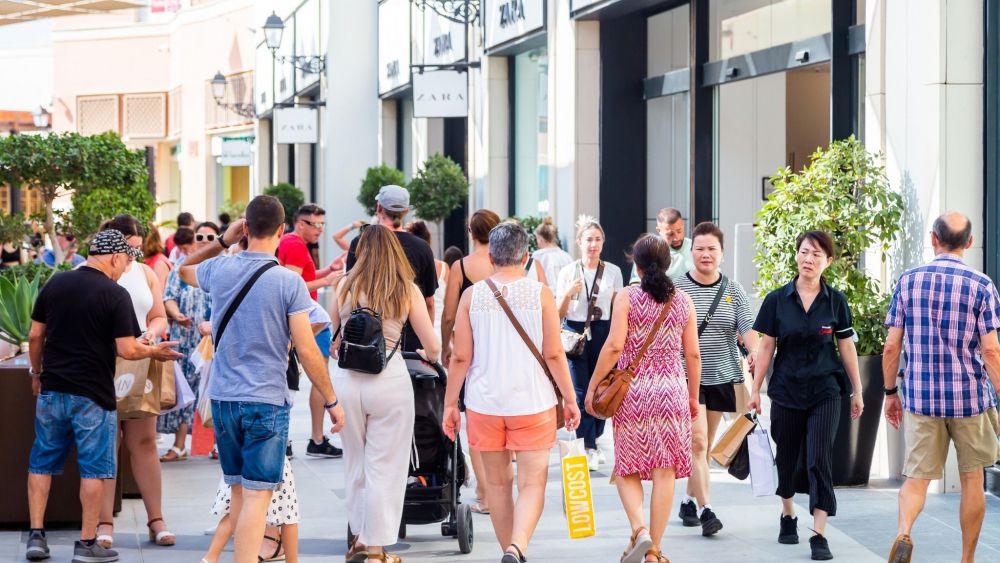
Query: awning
<point x="13" y="11"/>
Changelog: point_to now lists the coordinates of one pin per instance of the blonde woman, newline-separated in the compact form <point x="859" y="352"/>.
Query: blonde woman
<point x="380" y="410"/>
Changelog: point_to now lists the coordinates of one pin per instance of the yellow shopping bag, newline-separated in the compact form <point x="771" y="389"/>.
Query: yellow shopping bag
<point x="578" y="502"/>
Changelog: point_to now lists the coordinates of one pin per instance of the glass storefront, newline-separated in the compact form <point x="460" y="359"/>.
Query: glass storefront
<point x="530" y="133"/>
<point x="743" y="26"/>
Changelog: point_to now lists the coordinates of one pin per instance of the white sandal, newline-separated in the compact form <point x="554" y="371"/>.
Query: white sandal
<point x="107" y="541"/>
<point x="179" y="454"/>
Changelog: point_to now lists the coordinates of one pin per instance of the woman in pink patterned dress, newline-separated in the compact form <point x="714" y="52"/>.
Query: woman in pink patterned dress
<point x="653" y="425"/>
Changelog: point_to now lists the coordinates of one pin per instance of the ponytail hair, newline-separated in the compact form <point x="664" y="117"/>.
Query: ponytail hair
<point x="652" y="255"/>
<point x="546" y="231"/>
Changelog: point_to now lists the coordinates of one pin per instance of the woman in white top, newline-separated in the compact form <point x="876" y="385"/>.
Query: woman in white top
<point x="510" y="401"/>
<point x="379" y="407"/>
<point x="139" y="436"/>
<point x="549" y="255"/>
<point x="574" y="294"/>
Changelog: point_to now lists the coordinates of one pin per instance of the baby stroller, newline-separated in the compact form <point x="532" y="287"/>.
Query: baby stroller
<point x="437" y="464"/>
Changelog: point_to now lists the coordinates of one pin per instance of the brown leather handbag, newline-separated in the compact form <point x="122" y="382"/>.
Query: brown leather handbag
<point x="560" y="418"/>
<point x="611" y="390"/>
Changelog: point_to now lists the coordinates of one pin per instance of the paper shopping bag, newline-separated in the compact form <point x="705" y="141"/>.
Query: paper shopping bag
<point x="204" y="407"/>
<point x="168" y="389"/>
<point x="729" y="444"/>
<point x="137" y="395"/>
<point x="578" y="502"/>
<point x="185" y="395"/>
<point x="763" y="474"/>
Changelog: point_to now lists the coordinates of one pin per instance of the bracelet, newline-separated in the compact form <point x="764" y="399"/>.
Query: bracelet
<point x="34" y="373"/>
<point x="331" y="405"/>
<point x="892" y="391"/>
<point x="222" y="242"/>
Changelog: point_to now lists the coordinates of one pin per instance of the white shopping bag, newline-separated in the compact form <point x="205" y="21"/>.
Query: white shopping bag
<point x="185" y="395"/>
<point x="763" y="474"/>
<point x="578" y="501"/>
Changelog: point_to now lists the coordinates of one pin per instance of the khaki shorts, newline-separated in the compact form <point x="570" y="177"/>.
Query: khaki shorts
<point x="927" y="437"/>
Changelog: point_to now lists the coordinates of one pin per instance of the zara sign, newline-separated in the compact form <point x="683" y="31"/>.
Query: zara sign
<point x="393" y="45"/>
<point x="440" y="93"/>
<point x="507" y="20"/>
<point x="294" y="126"/>
<point x="444" y="40"/>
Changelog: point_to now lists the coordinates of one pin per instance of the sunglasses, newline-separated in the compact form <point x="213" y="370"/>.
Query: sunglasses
<point x="315" y="224"/>
<point x="204" y="238"/>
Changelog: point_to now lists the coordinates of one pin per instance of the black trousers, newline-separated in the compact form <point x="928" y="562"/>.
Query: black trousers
<point x="582" y="368"/>
<point x="804" y="440"/>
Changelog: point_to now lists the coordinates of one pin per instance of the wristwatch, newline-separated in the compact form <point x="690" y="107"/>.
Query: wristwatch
<point x="331" y="405"/>
<point x="222" y="241"/>
<point x="34" y="373"/>
<point x="892" y="391"/>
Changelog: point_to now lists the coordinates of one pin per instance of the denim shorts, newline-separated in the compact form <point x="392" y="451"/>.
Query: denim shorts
<point x="251" y="439"/>
<point x="61" y="420"/>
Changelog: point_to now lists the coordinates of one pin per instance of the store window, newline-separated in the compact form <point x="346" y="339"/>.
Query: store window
<point x="744" y="26"/>
<point x="530" y="134"/>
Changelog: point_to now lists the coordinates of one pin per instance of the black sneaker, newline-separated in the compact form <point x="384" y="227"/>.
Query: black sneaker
<point x="37" y="548"/>
<point x="83" y="553"/>
<point x="710" y="523"/>
<point x="820" y="548"/>
<point x="289" y="453"/>
<point x="789" y="533"/>
<point x="689" y="514"/>
<point x="324" y="449"/>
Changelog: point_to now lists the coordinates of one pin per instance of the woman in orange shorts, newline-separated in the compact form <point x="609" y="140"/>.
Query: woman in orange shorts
<point x="510" y="401"/>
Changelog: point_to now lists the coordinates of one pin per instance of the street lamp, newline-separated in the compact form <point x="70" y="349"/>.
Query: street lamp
<point x="219" y="85"/>
<point x="41" y="118"/>
<point x="274" y="29"/>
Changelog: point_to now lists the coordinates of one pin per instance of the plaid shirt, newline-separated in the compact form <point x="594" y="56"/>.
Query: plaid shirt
<point x="943" y="308"/>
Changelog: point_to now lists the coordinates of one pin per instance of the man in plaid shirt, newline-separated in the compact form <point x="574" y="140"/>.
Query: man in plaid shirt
<point x="948" y="314"/>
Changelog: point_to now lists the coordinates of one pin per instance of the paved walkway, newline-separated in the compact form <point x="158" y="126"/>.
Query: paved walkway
<point x="860" y="533"/>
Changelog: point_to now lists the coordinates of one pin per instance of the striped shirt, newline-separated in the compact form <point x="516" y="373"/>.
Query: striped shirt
<point x="944" y="307"/>
<point x="720" y="358"/>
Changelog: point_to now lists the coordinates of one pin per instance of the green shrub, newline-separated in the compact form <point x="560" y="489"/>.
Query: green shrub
<point x="291" y="199"/>
<point x="439" y="188"/>
<point x="375" y="178"/>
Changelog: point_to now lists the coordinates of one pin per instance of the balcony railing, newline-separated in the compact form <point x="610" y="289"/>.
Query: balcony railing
<point x="239" y="92"/>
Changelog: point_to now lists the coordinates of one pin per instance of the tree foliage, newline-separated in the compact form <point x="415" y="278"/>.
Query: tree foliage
<point x="845" y="192"/>
<point x="93" y="207"/>
<point x="291" y="199"/>
<point x="439" y="188"/>
<point x="13" y="228"/>
<point x="57" y="163"/>
<point x="375" y="178"/>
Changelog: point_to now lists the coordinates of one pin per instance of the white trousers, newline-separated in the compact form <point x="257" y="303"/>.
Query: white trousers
<point x="377" y="437"/>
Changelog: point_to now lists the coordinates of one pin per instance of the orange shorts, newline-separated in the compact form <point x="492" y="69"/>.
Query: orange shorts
<point x="490" y="433"/>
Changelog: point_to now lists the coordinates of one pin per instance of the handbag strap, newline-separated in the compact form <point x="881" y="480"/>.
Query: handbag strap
<point x="723" y="285"/>
<point x="651" y="336"/>
<point x="239" y="299"/>
<point x="592" y="297"/>
<point x="524" y="335"/>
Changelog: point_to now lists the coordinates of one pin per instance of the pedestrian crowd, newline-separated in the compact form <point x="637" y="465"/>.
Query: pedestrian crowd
<point x="530" y="342"/>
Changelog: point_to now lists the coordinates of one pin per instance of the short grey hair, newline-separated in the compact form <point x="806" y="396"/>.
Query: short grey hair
<point x="508" y="244"/>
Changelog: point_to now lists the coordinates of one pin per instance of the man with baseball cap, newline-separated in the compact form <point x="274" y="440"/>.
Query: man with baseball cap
<point x="81" y="320"/>
<point x="391" y="206"/>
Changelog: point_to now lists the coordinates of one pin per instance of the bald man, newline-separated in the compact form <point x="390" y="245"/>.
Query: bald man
<point x="945" y="314"/>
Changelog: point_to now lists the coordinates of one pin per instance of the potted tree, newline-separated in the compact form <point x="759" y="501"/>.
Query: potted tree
<point x="844" y="191"/>
<point x="291" y="199"/>
<point x="439" y="187"/>
<point x="375" y="178"/>
<point x="93" y="207"/>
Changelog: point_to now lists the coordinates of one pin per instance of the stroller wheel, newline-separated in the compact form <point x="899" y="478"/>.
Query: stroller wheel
<point x="402" y="530"/>
<point x="465" y="534"/>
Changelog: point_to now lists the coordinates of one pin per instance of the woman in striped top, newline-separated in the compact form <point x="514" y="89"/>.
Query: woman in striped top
<point x="721" y="368"/>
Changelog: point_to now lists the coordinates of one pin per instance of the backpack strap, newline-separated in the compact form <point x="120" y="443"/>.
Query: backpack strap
<point x="524" y="335"/>
<point x="239" y="299"/>
<point x="653" y="329"/>
<point x="723" y="285"/>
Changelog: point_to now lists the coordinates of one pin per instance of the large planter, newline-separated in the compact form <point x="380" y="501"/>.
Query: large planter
<point x="854" y="444"/>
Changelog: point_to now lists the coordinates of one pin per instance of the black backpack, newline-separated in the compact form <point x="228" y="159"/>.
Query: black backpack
<point x="362" y="345"/>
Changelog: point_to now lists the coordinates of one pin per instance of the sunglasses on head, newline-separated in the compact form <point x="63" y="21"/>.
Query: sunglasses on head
<point x="204" y="238"/>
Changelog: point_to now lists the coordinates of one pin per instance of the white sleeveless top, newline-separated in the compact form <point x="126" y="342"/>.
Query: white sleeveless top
<point x="505" y="378"/>
<point x="439" y="297"/>
<point x="134" y="281"/>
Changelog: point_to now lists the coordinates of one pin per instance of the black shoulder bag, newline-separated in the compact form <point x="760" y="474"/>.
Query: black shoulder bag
<point x="723" y="285"/>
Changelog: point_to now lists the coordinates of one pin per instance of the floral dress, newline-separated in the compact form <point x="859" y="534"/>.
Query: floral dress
<point x="195" y="304"/>
<point x="653" y="424"/>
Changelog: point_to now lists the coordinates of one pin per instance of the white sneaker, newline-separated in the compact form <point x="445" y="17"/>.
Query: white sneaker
<point x="600" y="455"/>
<point x="593" y="460"/>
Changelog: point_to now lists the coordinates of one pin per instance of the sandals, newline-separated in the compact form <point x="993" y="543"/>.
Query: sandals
<point x="214" y="454"/>
<point x="655" y="552"/>
<point x="174" y="454"/>
<point x="638" y="545"/>
<point x="385" y="557"/>
<point x="355" y="554"/>
<point x="278" y="555"/>
<point x="107" y="541"/>
<point x="480" y="508"/>
<point x="164" y="537"/>
<point x="509" y="557"/>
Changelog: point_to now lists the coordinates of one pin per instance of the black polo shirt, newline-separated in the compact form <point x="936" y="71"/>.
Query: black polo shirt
<point x="807" y="367"/>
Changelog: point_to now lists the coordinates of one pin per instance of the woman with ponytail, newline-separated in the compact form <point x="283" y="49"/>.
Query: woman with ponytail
<point x="653" y="424"/>
<point x="550" y="255"/>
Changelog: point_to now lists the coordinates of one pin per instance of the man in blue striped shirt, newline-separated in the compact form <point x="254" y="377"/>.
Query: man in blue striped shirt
<point x="948" y="315"/>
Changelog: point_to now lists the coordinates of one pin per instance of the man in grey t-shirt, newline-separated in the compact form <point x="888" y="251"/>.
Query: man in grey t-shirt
<point x="248" y="386"/>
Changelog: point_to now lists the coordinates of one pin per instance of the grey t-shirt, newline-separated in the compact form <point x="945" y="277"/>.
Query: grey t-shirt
<point x="252" y="358"/>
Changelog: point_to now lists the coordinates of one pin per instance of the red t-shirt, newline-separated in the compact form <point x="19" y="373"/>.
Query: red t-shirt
<point x="169" y="244"/>
<point x="292" y="251"/>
